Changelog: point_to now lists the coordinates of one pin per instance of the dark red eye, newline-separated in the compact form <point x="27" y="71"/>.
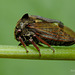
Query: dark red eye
<point x="19" y="30"/>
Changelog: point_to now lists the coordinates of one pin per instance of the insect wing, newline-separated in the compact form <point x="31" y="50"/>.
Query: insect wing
<point x="52" y="31"/>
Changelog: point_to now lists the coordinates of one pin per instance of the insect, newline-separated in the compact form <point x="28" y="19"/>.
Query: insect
<point x="34" y="30"/>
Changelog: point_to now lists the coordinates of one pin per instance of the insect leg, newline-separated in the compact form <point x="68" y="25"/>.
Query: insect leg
<point x="44" y="42"/>
<point x="20" y="39"/>
<point x="31" y="40"/>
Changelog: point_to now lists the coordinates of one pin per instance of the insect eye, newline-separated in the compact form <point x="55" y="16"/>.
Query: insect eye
<point x="19" y="30"/>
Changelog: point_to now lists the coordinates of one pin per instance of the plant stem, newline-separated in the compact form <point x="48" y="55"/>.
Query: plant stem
<point x="61" y="52"/>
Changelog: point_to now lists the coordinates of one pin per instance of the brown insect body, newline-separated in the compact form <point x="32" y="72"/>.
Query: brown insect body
<point x="35" y="29"/>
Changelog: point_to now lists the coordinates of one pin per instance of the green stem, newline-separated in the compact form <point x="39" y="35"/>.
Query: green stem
<point x="61" y="52"/>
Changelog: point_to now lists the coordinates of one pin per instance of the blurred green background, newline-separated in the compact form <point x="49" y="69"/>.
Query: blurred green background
<point x="11" y="11"/>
